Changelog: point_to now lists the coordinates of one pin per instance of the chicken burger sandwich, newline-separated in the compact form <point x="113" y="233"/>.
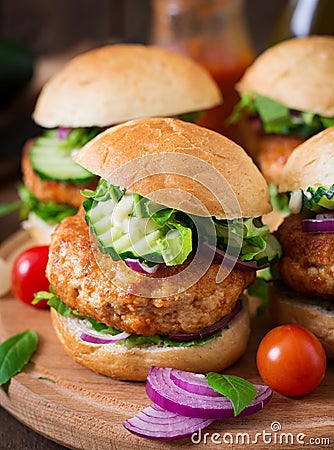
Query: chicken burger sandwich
<point x="152" y="269"/>
<point x="287" y="96"/>
<point x="97" y="89"/>
<point x="305" y="293"/>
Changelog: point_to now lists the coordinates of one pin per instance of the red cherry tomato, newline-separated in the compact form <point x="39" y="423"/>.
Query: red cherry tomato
<point x="28" y="275"/>
<point x="291" y="360"/>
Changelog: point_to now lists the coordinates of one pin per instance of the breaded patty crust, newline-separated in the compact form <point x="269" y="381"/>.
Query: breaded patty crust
<point x="78" y="281"/>
<point x="308" y="262"/>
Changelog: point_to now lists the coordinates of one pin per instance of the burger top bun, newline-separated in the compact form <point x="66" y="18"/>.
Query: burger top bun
<point x="310" y="164"/>
<point x="297" y="72"/>
<point x="116" y="83"/>
<point x="179" y="165"/>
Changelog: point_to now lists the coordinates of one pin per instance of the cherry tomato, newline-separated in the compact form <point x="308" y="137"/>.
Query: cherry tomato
<point x="28" y="275"/>
<point x="291" y="360"/>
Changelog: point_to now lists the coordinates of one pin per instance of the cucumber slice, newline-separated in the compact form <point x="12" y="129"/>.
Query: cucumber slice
<point x="52" y="162"/>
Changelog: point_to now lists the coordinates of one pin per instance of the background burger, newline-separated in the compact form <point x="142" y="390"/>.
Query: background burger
<point x="305" y="294"/>
<point x="96" y="89"/>
<point x="287" y="95"/>
<point x="134" y="273"/>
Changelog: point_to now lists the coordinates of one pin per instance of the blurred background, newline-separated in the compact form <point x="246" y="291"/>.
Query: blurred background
<point x="37" y="37"/>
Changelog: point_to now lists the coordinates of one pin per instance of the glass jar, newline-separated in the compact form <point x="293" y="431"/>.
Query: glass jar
<point x="302" y="18"/>
<point x="212" y="32"/>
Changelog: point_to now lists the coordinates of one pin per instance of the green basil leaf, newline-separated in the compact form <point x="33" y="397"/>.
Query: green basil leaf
<point x="15" y="353"/>
<point x="10" y="207"/>
<point x="241" y="392"/>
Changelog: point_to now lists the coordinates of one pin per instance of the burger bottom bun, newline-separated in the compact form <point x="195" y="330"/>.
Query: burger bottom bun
<point x="121" y="362"/>
<point x="39" y="231"/>
<point x="315" y="314"/>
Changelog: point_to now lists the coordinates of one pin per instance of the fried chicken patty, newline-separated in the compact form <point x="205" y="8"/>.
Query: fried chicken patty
<point x="51" y="190"/>
<point x="78" y="281"/>
<point x="307" y="265"/>
<point x="270" y="151"/>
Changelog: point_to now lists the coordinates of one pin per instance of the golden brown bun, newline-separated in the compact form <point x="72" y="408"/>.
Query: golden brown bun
<point x="317" y="315"/>
<point x="116" y="83"/>
<point x="196" y="163"/>
<point x="310" y="164"/>
<point x="118" y="361"/>
<point x="297" y="72"/>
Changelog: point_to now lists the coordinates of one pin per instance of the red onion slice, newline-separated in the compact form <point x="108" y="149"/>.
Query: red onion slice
<point x="107" y="339"/>
<point x="63" y="132"/>
<point x="193" y="382"/>
<point x="221" y="256"/>
<point x="323" y="223"/>
<point x="163" y="391"/>
<point x="136" y="265"/>
<point x="157" y="423"/>
<point x="208" y="331"/>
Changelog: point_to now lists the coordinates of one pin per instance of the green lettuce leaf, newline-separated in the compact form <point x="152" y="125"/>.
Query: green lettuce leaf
<point x="50" y="212"/>
<point x="318" y="199"/>
<point x="240" y="391"/>
<point x="53" y="301"/>
<point x="170" y="241"/>
<point x="279" y="202"/>
<point x="76" y="138"/>
<point x="191" y="117"/>
<point x="277" y="118"/>
<point x="257" y="243"/>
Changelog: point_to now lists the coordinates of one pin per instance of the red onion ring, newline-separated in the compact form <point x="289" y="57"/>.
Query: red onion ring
<point x="323" y="223"/>
<point x="163" y="391"/>
<point x="93" y="339"/>
<point x="208" y="331"/>
<point x="63" y="132"/>
<point x="137" y="266"/>
<point x="193" y="382"/>
<point x="221" y="256"/>
<point x="157" y="423"/>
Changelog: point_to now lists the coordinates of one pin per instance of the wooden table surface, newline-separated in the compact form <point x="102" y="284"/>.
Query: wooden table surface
<point x="13" y="434"/>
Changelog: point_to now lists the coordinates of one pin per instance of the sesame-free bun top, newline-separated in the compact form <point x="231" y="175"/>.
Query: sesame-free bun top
<point x="179" y="165"/>
<point x="310" y="164"/>
<point x="298" y="73"/>
<point x="116" y="83"/>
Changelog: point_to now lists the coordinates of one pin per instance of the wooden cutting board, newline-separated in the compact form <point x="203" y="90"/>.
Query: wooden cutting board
<point x="80" y="409"/>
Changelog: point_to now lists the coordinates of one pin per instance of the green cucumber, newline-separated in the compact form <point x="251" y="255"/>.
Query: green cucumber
<point x="110" y="224"/>
<point x="52" y="162"/>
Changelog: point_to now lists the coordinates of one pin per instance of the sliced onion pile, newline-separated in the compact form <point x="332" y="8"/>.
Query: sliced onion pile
<point x="184" y="403"/>
<point x="208" y="331"/>
<point x="157" y="423"/>
<point x="137" y="266"/>
<point x="97" y="338"/>
<point x="323" y="223"/>
<point x="163" y="391"/>
<point x="221" y="256"/>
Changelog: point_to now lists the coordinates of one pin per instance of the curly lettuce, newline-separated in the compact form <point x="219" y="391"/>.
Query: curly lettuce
<point x="172" y="235"/>
<point x="318" y="199"/>
<point x="277" y="118"/>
